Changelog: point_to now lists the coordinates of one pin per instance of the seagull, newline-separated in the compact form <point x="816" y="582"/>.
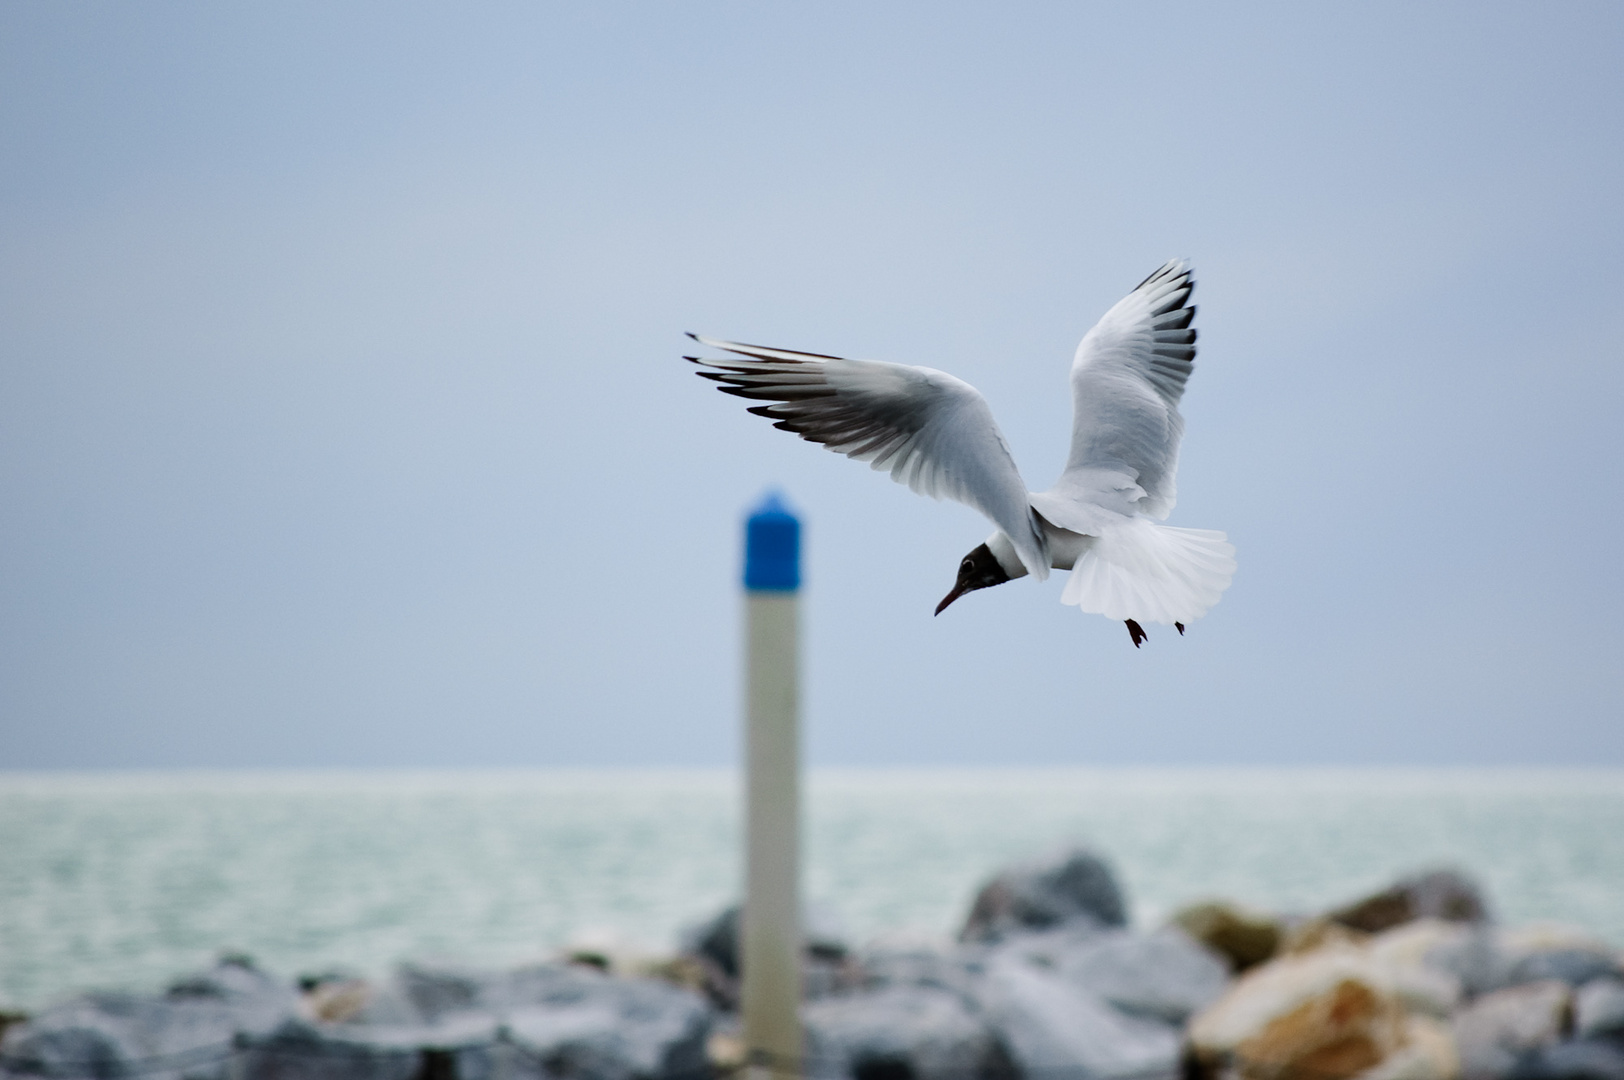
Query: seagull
<point x="1101" y="520"/>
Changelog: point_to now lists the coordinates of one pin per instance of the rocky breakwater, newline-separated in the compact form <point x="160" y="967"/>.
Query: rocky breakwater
<point x="1045" y="981"/>
<point x="1414" y="983"/>
<point x="236" y="1022"/>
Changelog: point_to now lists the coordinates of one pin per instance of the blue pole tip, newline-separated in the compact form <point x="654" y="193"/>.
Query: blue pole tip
<point x="772" y="547"/>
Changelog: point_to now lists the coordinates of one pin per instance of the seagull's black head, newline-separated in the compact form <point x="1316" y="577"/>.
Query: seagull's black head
<point x="978" y="570"/>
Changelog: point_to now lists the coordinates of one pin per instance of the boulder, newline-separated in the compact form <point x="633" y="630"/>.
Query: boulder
<point x="1323" y="1014"/>
<point x="1399" y="956"/>
<point x="1244" y="938"/>
<point x="919" y="964"/>
<point x="1476" y="958"/>
<point x="1486" y="960"/>
<point x="190" y="1028"/>
<point x="1076" y="885"/>
<point x="1165" y="976"/>
<point x="1598" y="1008"/>
<point x="1052" y="1027"/>
<point x="1439" y="894"/>
<point x="300" y="1050"/>
<point x="1585" y="1060"/>
<point x="1427" y="1053"/>
<point x="638" y="1028"/>
<point x="1500" y="1027"/>
<point x="901" y="1032"/>
<point x="1574" y="966"/>
<point x="583" y="1022"/>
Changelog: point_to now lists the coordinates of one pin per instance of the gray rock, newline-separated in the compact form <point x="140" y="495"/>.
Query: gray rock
<point x="911" y="1032"/>
<point x="1078" y="885"/>
<point x="1477" y="960"/>
<point x="638" y="1029"/>
<point x="1053" y="1028"/>
<point x="1483" y="963"/>
<point x="300" y="1050"/>
<point x="1438" y="894"/>
<point x="919" y="966"/>
<point x="1587" y="1060"/>
<point x="1163" y="976"/>
<point x="1573" y="966"/>
<point x="717" y="940"/>
<point x="564" y="1019"/>
<point x="1038" y="948"/>
<point x="1498" y="1029"/>
<point x="62" y="1049"/>
<point x="538" y="1023"/>
<point x="1598" y="1008"/>
<point x="187" y="1031"/>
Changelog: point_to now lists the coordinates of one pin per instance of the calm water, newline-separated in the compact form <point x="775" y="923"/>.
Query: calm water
<point x="127" y="879"/>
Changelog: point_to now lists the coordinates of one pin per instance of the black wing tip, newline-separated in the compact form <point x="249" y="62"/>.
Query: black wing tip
<point x="1181" y="265"/>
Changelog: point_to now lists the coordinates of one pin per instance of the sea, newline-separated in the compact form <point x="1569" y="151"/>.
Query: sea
<point x="125" y="880"/>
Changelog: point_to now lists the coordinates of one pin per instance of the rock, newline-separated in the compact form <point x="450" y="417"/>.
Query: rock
<point x="437" y="993"/>
<point x="1439" y="894"/>
<point x="1587" y="1060"/>
<point x="1050" y="1026"/>
<point x="564" y="1020"/>
<point x="336" y="1001"/>
<point x="1476" y="958"/>
<point x="1073" y="886"/>
<point x="1427" y="1053"/>
<point x="1400" y="957"/>
<point x="10" y="1018"/>
<point x="1322" y="1014"/>
<point x="561" y="1019"/>
<point x="1165" y="976"/>
<point x="1572" y="966"/>
<point x="1598" y="1008"/>
<point x="637" y="1028"/>
<point x="717" y="940"/>
<point x="1244" y="938"/>
<point x="1486" y="960"/>
<point x="189" y="1028"/>
<point x="64" y="1049"/>
<point x="918" y="964"/>
<point x="1341" y="1032"/>
<point x="1310" y="935"/>
<point x="300" y="1050"/>
<point x="1498" y="1028"/>
<point x="908" y="1033"/>
<point x="595" y="1026"/>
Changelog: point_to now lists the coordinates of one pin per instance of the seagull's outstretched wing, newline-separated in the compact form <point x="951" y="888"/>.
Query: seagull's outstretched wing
<point x="1126" y="381"/>
<point x="931" y="431"/>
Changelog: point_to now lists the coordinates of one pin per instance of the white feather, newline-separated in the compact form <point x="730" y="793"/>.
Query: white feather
<point x="1139" y="569"/>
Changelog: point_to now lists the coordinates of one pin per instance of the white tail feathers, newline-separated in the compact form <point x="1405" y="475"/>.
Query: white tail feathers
<point x="1153" y="573"/>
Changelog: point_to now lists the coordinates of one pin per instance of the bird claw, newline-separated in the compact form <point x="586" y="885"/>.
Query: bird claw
<point x="1136" y="632"/>
<point x="1180" y="627"/>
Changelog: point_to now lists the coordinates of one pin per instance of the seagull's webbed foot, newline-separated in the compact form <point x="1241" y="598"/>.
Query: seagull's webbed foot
<point x="1136" y="632"/>
<point x="1180" y="627"/>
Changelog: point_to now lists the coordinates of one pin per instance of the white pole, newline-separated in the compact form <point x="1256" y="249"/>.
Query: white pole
<point x="770" y="933"/>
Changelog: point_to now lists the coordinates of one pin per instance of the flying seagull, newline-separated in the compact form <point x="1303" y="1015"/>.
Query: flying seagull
<point x="1101" y="520"/>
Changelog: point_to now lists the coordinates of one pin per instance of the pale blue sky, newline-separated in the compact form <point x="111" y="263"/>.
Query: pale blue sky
<point x="342" y="420"/>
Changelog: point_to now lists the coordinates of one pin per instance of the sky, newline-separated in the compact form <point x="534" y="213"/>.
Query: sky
<point x="343" y="420"/>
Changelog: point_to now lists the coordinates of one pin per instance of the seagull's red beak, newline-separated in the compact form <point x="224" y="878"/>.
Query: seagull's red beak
<point x="958" y="590"/>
